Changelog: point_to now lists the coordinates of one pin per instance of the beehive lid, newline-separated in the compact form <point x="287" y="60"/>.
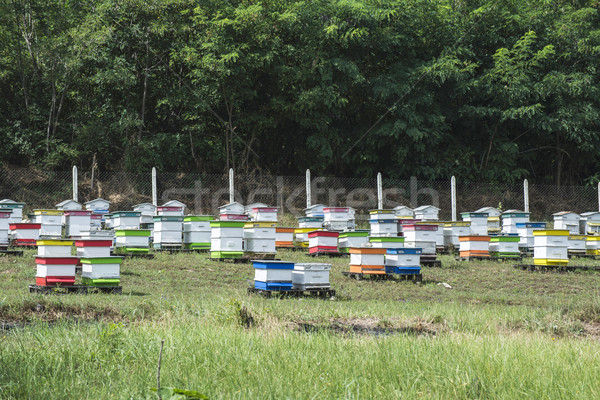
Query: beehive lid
<point x="551" y="232"/>
<point x="305" y="230"/>
<point x="565" y="213"/>
<point x="168" y="218"/>
<point x="321" y="233"/>
<point x="102" y="260"/>
<point x="387" y="239"/>
<point x="8" y="203"/>
<point x="541" y="225"/>
<point x="311" y="219"/>
<point x="227" y="224"/>
<point x="282" y="229"/>
<point x="312" y="267"/>
<point x="260" y="224"/>
<point x="54" y="242"/>
<point x="48" y="212"/>
<point x="354" y="234"/>
<point x="405" y="250"/>
<point x="122" y="214"/>
<point x="235" y="208"/>
<point x="198" y="218"/>
<point x="132" y="232"/>
<point x="577" y="237"/>
<point x="475" y="238"/>
<point x="474" y="214"/>
<point x="69" y="205"/>
<point x="375" y="212"/>
<point x="427" y="208"/>
<point x="80" y="213"/>
<point x="504" y="239"/>
<point x="367" y="250"/>
<point x="174" y="203"/>
<point x="456" y="223"/>
<point x="273" y="264"/>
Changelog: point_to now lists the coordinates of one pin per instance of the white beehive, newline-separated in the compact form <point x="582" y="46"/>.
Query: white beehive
<point x="15" y="208"/>
<point x="126" y="220"/>
<point x="168" y="230"/>
<point x="264" y="214"/>
<point x="54" y="248"/>
<point x="248" y="209"/>
<point x="169" y="211"/>
<point x="174" y="203"/>
<point x="226" y="238"/>
<point x="404" y="212"/>
<point x="588" y="218"/>
<point x="76" y="222"/>
<point x="93" y="247"/>
<point x="273" y="274"/>
<point x="352" y="239"/>
<point x="367" y="257"/>
<point x="511" y="218"/>
<point x="99" y="206"/>
<point x="196" y="231"/>
<point x="101" y="268"/>
<point x="453" y="230"/>
<point x="69" y="205"/>
<point x="53" y="271"/>
<point x="382" y="227"/>
<point x="316" y="210"/>
<point x="232" y="208"/>
<point x="24" y="234"/>
<point x="311" y="276"/>
<point x="421" y="233"/>
<point x="323" y="242"/>
<point x="474" y="246"/>
<point x="577" y="244"/>
<point x="427" y="213"/>
<point x="567" y="220"/>
<point x="479" y="222"/>
<point x="525" y="232"/>
<point x="96" y="221"/>
<point x="491" y="211"/>
<point x="403" y="257"/>
<point x="4" y="218"/>
<point x="147" y="211"/>
<point x="259" y="237"/>
<point x="550" y="247"/>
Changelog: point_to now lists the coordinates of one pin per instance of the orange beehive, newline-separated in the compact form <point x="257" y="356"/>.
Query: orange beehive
<point x="367" y="260"/>
<point x="474" y="246"/>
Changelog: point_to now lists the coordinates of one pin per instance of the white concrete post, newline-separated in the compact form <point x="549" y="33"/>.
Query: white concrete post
<point x="231" y="188"/>
<point x="379" y="192"/>
<point x="154" y="189"/>
<point x="75" y="193"/>
<point x="526" y="194"/>
<point x="308" y="193"/>
<point x="598" y="197"/>
<point x="453" y="197"/>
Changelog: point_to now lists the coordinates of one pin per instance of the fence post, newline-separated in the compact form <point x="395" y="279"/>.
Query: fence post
<point x="308" y="188"/>
<point x="598" y="197"/>
<point x="379" y="192"/>
<point x="526" y="194"/>
<point x="414" y="192"/>
<point x="453" y="197"/>
<point x="231" y="194"/>
<point x="75" y="194"/>
<point x="154" y="189"/>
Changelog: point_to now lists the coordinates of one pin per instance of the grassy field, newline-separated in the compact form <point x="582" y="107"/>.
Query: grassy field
<point x="498" y="332"/>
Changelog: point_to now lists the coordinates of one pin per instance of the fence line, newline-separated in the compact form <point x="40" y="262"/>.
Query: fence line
<point x="204" y="193"/>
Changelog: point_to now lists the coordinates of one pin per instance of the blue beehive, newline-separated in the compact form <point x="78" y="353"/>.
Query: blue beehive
<point x="273" y="275"/>
<point x="403" y="261"/>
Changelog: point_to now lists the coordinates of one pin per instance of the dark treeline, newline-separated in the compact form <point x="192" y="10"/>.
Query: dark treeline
<point x="491" y="90"/>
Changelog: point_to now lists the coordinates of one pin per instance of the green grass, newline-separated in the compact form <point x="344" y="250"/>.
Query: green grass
<point x="498" y="333"/>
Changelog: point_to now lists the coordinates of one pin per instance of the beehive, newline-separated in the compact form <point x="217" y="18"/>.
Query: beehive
<point x="474" y="246"/>
<point x="101" y="271"/>
<point x="88" y="248"/>
<point x="404" y="212"/>
<point x="525" y="232"/>
<point x="592" y="245"/>
<point x="196" y="231"/>
<point x="264" y="214"/>
<point x="69" y="205"/>
<point x="505" y="246"/>
<point x="76" y="222"/>
<point x="126" y="219"/>
<point x="337" y="218"/>
<point x="260" y="237"/>
<point x="323" y="242"/>
<point x="168" y="231"/>
<point x="307" y="276"/>
<point x="421" y="233"/>
<point x="383" y="223"/>
<point x="15" y="208"/>
<point x="386" y="242"/>
<point x="452" y="231"/>
<point x="4" y="226"/>
<point x="51" y="222"/>
<point x="576" y="244"/>
<point x="55" y="271"/>
<point x="301" y="236"/>
<point x="352" y="239"/>
<point x="169" y="211"/>
<point x="479" y="222"/>
<point x="366" y="260"/>
<point x="24" y="234"/>
<point x="147" y="211"/>
<point x="232" y="208"/>
<point x="98" y="206"/>
<point x="96" y="221"/>
<point x="226" y="239"/>
<point x="54" y="248"/>
<point x="273" y="275"/>
<point x="589" y="223"/>
<point x="511" y="218"/>
<point x="403" y="261"/>
<point x="310" y="222"/>
<point x="550" y="247"/>
<point x="427" y="213"/>
<point x="567" y="220"/>
<point x="284" y="237"/>
<point x="132" y="241"/>
<point x="316" y="210"/>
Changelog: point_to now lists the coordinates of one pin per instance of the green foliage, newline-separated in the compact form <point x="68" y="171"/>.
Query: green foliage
<point x="169" y="393"/>
<point x="492" y="91"/>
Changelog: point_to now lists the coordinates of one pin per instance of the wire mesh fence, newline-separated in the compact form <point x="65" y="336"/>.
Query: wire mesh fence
<point x="204" y="193"/>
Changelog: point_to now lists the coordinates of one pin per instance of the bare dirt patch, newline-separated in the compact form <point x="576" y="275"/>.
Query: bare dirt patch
<point x="372" y="327"/>
<point x="51" y="312"/>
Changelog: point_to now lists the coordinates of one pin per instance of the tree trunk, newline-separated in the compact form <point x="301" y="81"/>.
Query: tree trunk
<point x="50" y="115"/>
<point x="144" y="94"/>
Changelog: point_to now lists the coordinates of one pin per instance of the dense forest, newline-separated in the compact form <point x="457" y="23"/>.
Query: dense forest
<point x="494" y="90"/>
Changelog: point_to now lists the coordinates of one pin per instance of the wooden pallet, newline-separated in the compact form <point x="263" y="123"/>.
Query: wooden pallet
<point x="233" y="260"/>
<point x="431" y="263"/>
<point x="556" y="268"/>
<point x="79" y="289"/>
<point x="14" y="253"/>
<point x="329" y="254"/>
<point x="478" y="258"/>
<point x="586" y="256"/>
<point x="384" y="277"/>
<point x="321" y="293"/>
<point x="148" y="256"/>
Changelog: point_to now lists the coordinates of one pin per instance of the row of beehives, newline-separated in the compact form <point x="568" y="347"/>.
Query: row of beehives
<point x="56" y="264"/>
